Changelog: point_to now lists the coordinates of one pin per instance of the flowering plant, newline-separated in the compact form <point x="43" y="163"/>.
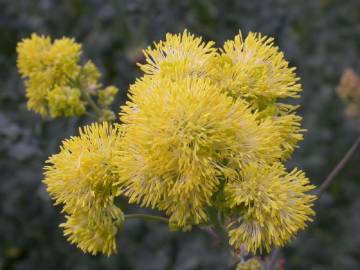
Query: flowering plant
<point x="203" y="138"/>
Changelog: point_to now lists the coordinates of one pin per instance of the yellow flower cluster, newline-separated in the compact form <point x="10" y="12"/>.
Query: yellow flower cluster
<point x="256" y="71"/>
<point x="202" y="138"/>
<point x="55" y="81"/>
<point x="81" y="178"/>
<point x="206" y="130"/>
<point x="273" y="203"/>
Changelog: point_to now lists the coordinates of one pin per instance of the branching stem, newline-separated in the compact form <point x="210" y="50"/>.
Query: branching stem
<point x="320" y="190"/>
<point x="91" y="102"/>
<point x="147" y="217"/>
<point x="84" y="92"/>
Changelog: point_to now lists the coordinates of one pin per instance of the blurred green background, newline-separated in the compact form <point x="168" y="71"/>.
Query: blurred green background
<point x="320" y="38"/>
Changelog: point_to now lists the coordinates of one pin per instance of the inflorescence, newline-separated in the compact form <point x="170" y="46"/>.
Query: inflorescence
<point x="203" y="138"/>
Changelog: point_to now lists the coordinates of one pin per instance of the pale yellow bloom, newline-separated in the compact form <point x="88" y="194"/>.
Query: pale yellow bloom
<point x="271" y="204"/>
<point x="82" y="179"/>
<point x="178" y="56"/>
<point x="253" y="67"/>
<point x="94" y="230"/>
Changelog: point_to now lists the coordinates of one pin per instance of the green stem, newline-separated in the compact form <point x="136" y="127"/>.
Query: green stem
<point x="147" y="217"/>
<point x="77" y="83"/>
<point x="91" y="102"/>
<point x="91" y="115"/>
<point x="215" y="220"/>
<point x="320" y="190"/>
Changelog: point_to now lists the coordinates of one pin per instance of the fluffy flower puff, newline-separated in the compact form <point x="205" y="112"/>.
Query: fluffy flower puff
<point x="254" y="69"/>
<point x="179" y="56"/>
<point x="269" y="206"/>
<point x="94" y="230"/>
<point x="180" y="140"/>
<point x="81" y="178"/>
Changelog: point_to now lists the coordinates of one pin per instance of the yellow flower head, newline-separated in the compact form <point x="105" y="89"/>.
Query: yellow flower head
<point x="178" y="56"/>
<point x="254" y="70"/>
<point x="82" y="178"/>
<point x="94" y="230"/>
<point x="180" y="139"/>
<point x="82" y="174"/>
<point x="253" y="67"/>
<point x="272" y="206"/>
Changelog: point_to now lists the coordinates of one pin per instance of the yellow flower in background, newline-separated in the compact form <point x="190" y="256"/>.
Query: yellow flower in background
<point x="65" y="101"/>
<point x="39" y="54"/>
<point x="55" y="81"/>
<point x="63" y="58"/>
<point x="30" y="51"/>
<point x="37" y="91"/>
<point x="82" y="178"/>
<point x="107" y="95"/>
<point x="47" y="67"/>
<point x="178" y="56"/>
<point x="272" y="206"/>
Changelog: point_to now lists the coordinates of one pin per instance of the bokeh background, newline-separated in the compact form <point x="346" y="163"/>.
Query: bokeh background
<point x="320" y="38"/>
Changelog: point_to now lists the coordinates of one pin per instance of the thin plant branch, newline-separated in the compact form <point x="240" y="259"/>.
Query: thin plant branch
<point x="91" y="102"/>
<point x="91" y="115"/>
<point x="147" y="217"/>
<point x="320" y="190"/>
<point x="86" y="96"/>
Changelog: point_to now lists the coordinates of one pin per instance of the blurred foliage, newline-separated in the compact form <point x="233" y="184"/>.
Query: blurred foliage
<point x="321" y="38"/>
